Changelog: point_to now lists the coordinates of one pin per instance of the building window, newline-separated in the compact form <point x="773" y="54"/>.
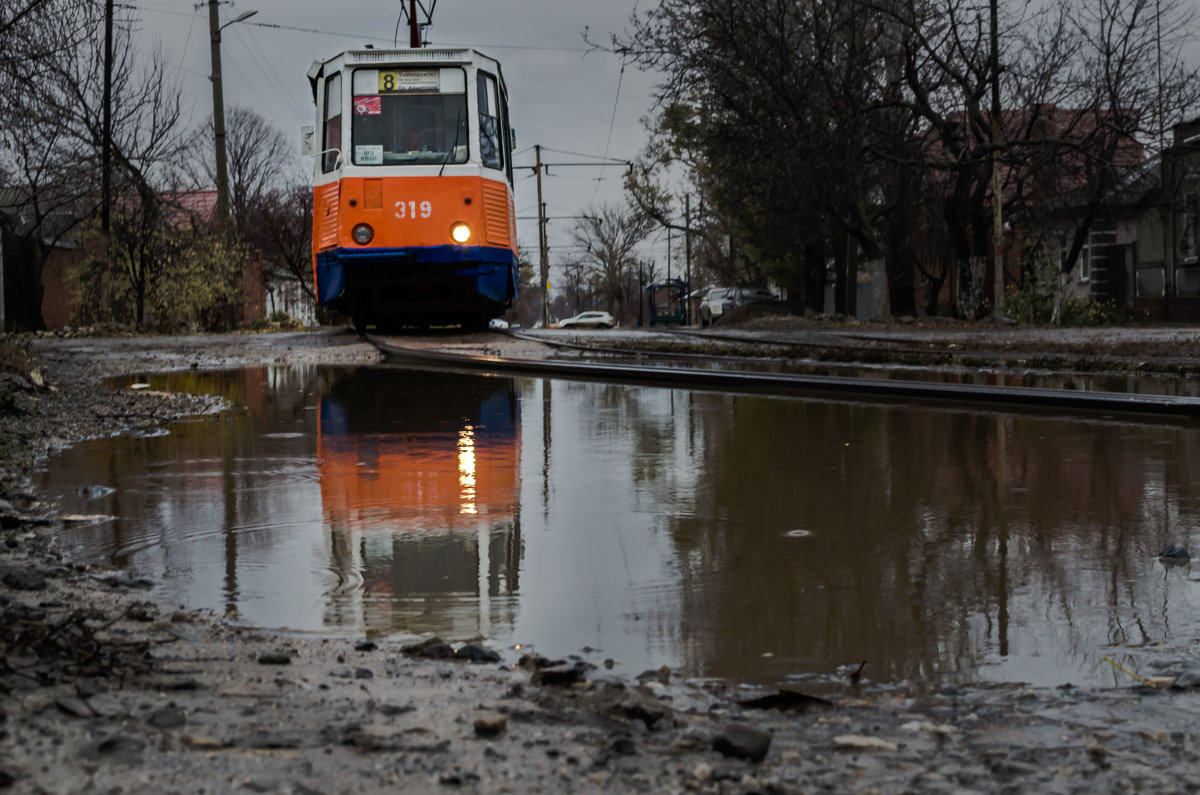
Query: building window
<point x="1187" y="243"/>
<point x="1084" y="263"/>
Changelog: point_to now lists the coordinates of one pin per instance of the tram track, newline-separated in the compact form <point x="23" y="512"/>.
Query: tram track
<point x="493" y="359"/>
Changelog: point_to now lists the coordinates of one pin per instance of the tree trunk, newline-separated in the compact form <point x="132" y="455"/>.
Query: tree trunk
<point x="969" y="287"/>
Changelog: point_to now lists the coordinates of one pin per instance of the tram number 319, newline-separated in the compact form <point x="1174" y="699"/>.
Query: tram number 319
<point x="413" y="209"/>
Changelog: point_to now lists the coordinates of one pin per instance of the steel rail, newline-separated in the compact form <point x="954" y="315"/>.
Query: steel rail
<point x="796" y="384"/>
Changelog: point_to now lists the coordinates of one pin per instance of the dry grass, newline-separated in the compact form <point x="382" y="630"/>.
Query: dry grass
<point x="14" y="355"/>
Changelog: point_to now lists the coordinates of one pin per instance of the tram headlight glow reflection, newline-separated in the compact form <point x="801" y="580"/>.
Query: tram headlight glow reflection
<point x="466" y="470"/>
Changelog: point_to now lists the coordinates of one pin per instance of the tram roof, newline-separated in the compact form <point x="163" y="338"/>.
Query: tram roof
<point x="429" y="55"/>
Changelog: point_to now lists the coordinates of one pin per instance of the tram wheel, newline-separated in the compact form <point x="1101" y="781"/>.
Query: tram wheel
<point x="361" y="316"/>
<point x="360" y="322"/>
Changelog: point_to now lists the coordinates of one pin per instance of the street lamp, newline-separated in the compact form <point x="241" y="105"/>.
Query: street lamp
<point x="219" y="108"/>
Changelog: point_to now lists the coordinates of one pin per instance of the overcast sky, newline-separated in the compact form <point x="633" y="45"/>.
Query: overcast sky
<point x="561" y="96"/>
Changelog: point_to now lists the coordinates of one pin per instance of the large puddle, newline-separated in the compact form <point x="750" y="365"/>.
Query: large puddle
<point x="754" y="538"/>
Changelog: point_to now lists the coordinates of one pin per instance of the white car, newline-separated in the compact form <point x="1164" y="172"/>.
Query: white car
<point x="498" y="323"/>
<point x="589" y="320"/>
<point x="720" y="300"/>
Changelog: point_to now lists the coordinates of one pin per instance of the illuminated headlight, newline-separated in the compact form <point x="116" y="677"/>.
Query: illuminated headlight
<point x="362" y="234"/>
<point x="460" y="232"/>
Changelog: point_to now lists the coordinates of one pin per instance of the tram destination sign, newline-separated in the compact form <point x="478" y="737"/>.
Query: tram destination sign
<point x="409" y="80"/>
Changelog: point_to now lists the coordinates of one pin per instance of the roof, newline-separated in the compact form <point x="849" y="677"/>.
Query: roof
<point x="1053" y="150"/>
<point x="191" y="205"/>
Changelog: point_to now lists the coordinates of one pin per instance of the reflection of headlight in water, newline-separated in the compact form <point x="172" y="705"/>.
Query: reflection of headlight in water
<point x="466" y="470"/>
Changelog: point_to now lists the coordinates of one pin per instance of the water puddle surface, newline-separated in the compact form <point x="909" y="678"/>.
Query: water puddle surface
<point x="755" y="538"/>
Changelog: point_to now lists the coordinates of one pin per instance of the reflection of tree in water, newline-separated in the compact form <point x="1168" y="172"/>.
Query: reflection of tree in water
<point x="940" y="539"/>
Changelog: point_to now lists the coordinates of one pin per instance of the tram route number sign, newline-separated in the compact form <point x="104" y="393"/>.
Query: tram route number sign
<point x="409" y="80"/>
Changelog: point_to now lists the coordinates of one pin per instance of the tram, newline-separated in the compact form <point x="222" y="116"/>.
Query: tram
<point x="413" y="215"/>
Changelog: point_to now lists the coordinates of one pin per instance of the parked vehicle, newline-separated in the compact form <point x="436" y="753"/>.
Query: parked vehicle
<point x="498" y="323"/>
<point x="589" y="320"/>
<point x="720" y="300"/>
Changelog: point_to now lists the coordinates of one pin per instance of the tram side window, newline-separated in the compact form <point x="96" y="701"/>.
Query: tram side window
<point x="332" y="141"/>
<point x="506" y="130"/>
<point x="490" y="147"/>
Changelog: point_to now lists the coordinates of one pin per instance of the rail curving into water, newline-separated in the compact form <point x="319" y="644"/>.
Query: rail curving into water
<point x="747" y="381"/>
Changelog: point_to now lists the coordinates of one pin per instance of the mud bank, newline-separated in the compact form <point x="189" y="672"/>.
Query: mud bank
<point x="105" y="688"/>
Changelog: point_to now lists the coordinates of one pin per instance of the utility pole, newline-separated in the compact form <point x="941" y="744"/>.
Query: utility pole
<point x="997" y="199"/>
<point x="106" y="142"/>
<point x="214" y="30"/>
<point x="687" y="249"/>
<point x="668" y="255"/>
<point x="543" y="257"/>
<point x="543" y="218"/>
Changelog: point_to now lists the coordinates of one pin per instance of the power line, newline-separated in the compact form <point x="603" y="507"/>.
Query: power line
<point x="342" y="34"/>
<point x="269" y="72"/>
<point x="611" y="123"/>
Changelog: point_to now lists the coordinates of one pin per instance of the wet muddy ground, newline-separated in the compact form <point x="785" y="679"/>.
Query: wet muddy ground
<point x="102" y="689"/>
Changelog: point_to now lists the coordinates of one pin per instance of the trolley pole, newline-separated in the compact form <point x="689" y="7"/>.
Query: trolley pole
<point x="543" y="260"/>
<point x="414" y="30"/>
<point x="214" y="29"/>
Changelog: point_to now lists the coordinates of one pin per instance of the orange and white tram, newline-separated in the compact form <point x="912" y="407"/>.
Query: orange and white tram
<point x="413" y="216"/>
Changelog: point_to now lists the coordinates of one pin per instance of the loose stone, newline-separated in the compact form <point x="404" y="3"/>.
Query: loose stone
<point x="742" y="741"/>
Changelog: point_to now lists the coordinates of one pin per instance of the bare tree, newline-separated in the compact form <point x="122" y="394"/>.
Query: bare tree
<point x="261" y="162"/>
<point x="46" y="185"/>
<point x="149" y="138"/>
<point x="610" y="237"/>
<point x="278" y="223"/>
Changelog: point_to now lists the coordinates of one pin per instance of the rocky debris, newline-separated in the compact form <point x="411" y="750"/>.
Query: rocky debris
<point x="562" y="675"/>
<point x="742" y="741"/>
<point x="76" y="707"/>
<point x="43" y="646"/>
<point x="275" y="657"/>
<point x="345" y="672"/>
<point x="429" y="649"/>
<point x="1188" y="679"/>
<point x="852" y="742"/>
<point x="614" y="699"/>
<point x="786" y="701"/>
<point x="169" y="717"/>
<point x="24" y="579"/>
<point x="95" y="492"/>
<point x="661" y="675"/>
<point x="475" y="653"/>
<point x="125" y="580"/>
<point x="1174" y="552"/>
<point x="490" y="725"/>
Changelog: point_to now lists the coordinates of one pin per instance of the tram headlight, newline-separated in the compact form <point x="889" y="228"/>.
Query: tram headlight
<point x="362" y="234"/>
<point x="461" y="232"/>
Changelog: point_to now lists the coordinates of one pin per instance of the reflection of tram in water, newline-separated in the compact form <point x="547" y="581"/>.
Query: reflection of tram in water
<point x="419" y="497"/>
<point x="413" y="217"/>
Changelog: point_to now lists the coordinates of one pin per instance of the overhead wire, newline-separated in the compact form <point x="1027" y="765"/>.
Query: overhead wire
<point x="270" y="73"/>
<point x="611" y="124"/>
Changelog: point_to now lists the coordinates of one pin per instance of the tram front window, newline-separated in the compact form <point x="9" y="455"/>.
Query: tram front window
<point x="409" y="117"/>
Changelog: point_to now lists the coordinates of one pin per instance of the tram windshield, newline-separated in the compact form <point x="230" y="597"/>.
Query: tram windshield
<point x="409" y="116"/>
